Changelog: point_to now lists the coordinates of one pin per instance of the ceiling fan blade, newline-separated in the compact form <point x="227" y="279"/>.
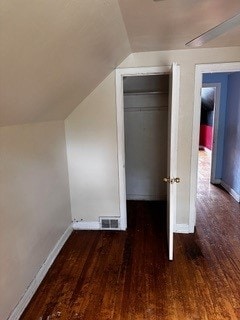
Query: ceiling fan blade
<point x="215" y="32"/>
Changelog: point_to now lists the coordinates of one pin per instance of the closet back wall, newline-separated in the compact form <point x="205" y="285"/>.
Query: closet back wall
<point x="146" y="121"/>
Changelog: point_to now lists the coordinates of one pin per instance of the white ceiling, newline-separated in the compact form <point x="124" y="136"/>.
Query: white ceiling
<point x="54" y="53"/>
<point x="169" y="24"/>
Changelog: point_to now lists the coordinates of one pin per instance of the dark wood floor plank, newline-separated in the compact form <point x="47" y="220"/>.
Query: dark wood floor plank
<point x="114" y="275"/>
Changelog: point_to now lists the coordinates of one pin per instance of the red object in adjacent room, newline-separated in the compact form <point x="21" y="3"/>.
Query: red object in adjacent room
<point x="206" y="136"/>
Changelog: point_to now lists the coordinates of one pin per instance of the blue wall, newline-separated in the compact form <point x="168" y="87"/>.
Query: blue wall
<point x="231" y="154"/>
<point x="221" y="78"/>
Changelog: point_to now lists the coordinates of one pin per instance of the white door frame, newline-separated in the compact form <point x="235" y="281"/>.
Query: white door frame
<point x="217" y="93"/>
<point x="120" y="74"/>
<point x="199" y="71"/>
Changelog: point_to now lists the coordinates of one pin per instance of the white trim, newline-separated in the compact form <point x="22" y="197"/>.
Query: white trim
<point x="181" y="228"/>
<point x="22" y="304"/>
<point x="143" y="71"/>
<point x="232" y="192"/>
<point x="86" y="225"/>
<point x="120" y="73"/>
<point x="121" y="149"/>
<point x="199" y="71"/>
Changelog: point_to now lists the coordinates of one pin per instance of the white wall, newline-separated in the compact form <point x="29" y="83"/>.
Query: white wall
<point x="92" y="143"/>
<point x="187" y="59"/>
<point x="92" y="155"/>
<point x="34" y="203"/>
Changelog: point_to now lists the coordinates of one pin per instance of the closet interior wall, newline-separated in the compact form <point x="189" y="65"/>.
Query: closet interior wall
<point x="146" y="132"/>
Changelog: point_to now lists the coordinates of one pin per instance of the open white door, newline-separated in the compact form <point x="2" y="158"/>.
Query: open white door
<point x="172" y="178"/>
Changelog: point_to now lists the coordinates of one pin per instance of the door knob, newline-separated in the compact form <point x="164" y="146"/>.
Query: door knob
<point x="171" y="180"/>
<point x="168" y="180"/>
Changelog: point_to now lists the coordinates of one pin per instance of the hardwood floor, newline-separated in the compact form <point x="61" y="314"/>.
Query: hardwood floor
<point x="104" y="275"/>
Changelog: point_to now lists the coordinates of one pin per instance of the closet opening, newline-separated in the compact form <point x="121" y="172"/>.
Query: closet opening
<point x="146" y="146"/>
<point x="146" y="136"/>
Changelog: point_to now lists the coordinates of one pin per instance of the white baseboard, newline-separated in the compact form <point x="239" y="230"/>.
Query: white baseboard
<point x="86" y="225"/>
<point x="232" y="192"/>
<point x="16" y="313"/>
<point x="181" y="228"/>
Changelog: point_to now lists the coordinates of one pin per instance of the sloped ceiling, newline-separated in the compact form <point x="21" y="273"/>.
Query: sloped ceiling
<point x="53" y="53"/>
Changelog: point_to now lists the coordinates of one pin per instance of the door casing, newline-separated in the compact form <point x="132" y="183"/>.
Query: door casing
<point x="120" y="74"/>
<point x="200" y="69"/>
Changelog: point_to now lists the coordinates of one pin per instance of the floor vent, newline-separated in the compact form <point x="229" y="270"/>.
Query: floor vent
<point x="107" y="223"/>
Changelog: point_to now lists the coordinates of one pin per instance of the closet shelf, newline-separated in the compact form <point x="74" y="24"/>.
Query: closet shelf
<point x="144" y="92"/>
<point x="148" y="108"/>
